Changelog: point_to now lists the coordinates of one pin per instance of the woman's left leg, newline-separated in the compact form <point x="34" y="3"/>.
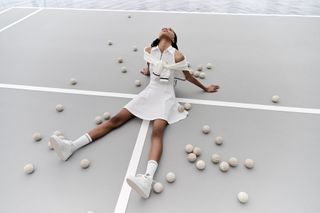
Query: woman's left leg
<point x="159" y="126"/>
<point x="142" y="184"/>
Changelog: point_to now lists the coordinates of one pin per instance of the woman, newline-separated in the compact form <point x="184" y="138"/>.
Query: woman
<point x="156" y="102"/>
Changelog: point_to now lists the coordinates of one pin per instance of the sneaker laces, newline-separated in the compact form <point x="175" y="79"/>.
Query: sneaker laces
<point x="69" y="142"/>
<point x="145" y="176"/>
<point x="141" y="175"/>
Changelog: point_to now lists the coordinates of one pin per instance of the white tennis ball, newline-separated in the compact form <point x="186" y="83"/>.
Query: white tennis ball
<point x="202" y="75"/>
<point x="137" y="83"/>
<point x="243" y="197"/>
<point x="218" y="140"/>
<point x="59" y="108"/>
<point x="181" y="108"/>
<point x="189" y="148"/>
<point x="233" y="162"/>
<point x="197" y="151"/>
<point x="120" y="60"/>
<point x="123" y="69"/>
<point x="209" y="66"/>
<point x="200" y="164"/>
<point x="275" y="99"/>
<point x="187" y="106"/>
<point x="196" y="74"/>
<point x="84" y="163"/>
<point x="36" y="136"/>
<point x="224" y="166"/>
<point x="199" y="67"/>
<point x="249" y="163"/>
<point x="215" y="158"/>
<point x="50" y="145"/>
<point x="170" y="177"/>
<point x="28" y="168"/>
<point x="98" y="120"/>
<point x="106" y="115"/>
<point x="73" y="81"/>
<point x="135" y="49"/>
<point x="192" y="157"/>
<point x="158" y="187"/>
<point x="110" y="42"/>
<point x="206" y="129"/>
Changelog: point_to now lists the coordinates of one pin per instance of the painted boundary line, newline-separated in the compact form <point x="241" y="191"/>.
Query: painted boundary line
<point x="132" y="168"/>
<point x="5" y="10"/>
<point x="177" y="12"/>
<point x="68" y="91"/>
<point x="16" y="22"/>
<point x="192" y="101"/>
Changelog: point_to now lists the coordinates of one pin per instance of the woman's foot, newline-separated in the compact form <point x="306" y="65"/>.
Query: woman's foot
<point x="141" y="183"/>
<point x="63" y="147"/>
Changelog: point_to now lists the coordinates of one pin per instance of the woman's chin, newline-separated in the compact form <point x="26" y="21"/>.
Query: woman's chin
<point x="165" y="37"/>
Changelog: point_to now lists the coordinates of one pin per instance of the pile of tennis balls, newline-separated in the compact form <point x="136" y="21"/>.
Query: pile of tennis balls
<point x="193" y="153"/>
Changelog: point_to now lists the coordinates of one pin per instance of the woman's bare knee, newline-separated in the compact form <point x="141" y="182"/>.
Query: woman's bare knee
<point x="159" y="126"/>
<point x="120" y="118"/>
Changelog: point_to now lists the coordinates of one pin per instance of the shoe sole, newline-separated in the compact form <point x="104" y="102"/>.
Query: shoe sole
<point x="55" y="145"/>
<point x="136" y="188"/>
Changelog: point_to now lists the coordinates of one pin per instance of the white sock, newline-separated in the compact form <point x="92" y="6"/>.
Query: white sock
<point x="81" y="141"/>
<point x="151" y="168"/>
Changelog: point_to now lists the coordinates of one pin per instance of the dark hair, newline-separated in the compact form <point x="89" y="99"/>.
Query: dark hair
<point x="174" y="44"/>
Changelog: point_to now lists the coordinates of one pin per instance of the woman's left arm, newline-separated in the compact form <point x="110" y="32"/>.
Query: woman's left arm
<point x="190" y="78"/>
<point x="211" y="88"/>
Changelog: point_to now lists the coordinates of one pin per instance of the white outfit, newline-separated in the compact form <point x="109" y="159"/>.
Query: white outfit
<point x="157" y="100"/>
<point x="163" y="70"/>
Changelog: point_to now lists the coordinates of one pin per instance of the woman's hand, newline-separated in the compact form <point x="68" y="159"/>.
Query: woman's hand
<point x="145" y="71"/>
<point x="212" y="88"/>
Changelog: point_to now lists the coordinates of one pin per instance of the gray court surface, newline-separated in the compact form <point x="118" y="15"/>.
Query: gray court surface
<point x="253" y="57"/>
<point x="285" y="149"/>
<point x="61" y="186"/>
<point x="13" y="15"/>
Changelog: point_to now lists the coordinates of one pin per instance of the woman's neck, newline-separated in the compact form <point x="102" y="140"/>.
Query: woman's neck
<point x="164" y="44"/>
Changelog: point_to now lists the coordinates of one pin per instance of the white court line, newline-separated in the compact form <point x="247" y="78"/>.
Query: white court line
<point x="3" y="11"/>
<point x="132" y="168"/>
<point x="178" y="12"/>
<point x="68" y="91"/>
<point x="16" y="22"/>
<point x="192" y="101"/>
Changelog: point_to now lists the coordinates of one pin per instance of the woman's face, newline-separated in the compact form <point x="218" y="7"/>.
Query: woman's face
<point x="167" y="32"/>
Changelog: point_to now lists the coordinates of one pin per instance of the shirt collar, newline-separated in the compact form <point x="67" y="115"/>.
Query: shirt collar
<point x="170" y="49"/>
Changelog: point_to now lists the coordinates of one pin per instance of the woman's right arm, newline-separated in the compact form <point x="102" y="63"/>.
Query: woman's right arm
<point x="146" y="71"/>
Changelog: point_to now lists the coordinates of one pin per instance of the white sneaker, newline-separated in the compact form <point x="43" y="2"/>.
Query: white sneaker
<point x="63" y="147"/>
<point x="141" y="183"/>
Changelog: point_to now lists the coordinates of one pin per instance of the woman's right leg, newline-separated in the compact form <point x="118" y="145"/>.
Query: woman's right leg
<point x="116" y="121"/>
<point x="64" y="148"/>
